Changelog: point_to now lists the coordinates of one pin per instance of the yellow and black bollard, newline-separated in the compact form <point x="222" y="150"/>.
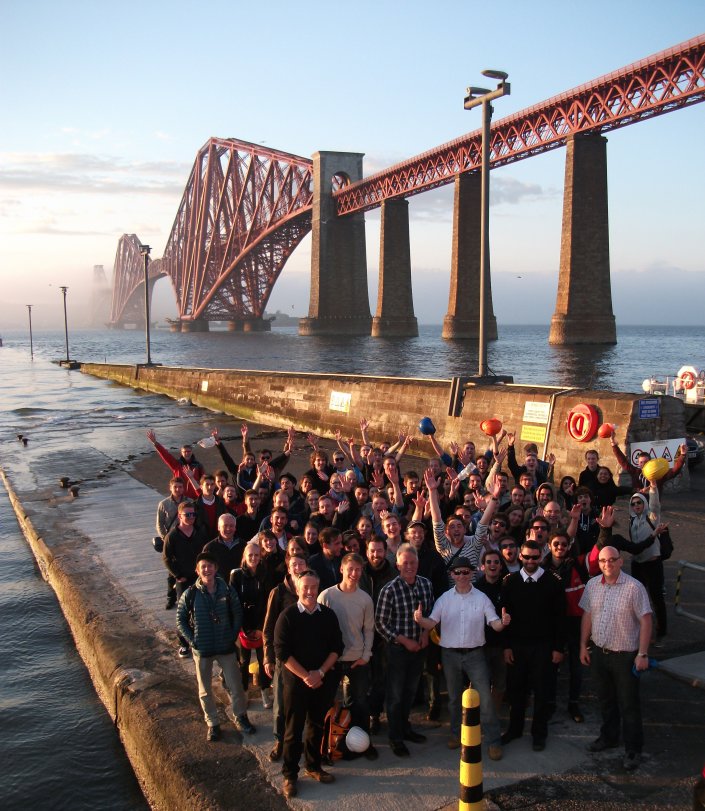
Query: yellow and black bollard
<point x="471" y="793"/>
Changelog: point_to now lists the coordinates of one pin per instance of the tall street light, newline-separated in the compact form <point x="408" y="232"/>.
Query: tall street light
<point x="31" y="343"/>
<point x="144" y="253"/>
<point x="66" y="326"/>
<point x="480" y="96"/>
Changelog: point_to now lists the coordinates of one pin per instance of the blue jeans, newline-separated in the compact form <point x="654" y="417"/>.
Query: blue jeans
<point x="355" y="688"/>
<point x="403" y="675"/>
<point x="473" y="664"/>
<point x="618" y="693"/>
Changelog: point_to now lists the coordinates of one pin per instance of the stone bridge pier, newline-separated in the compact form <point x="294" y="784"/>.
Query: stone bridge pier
<point x="583" y="312"/>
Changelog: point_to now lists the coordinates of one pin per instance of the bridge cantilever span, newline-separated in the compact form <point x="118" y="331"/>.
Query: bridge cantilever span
<point x="244" y="210"/>
<point x="658" y="84"/>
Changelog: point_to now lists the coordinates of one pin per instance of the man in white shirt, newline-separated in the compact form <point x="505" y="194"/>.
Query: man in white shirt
<point x="463" y="612"/>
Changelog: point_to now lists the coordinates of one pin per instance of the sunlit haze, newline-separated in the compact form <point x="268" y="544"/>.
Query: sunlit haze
<point x="105" y="106"/>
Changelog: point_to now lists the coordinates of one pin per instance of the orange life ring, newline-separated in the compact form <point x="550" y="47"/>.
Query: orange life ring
<point x="582" y="422"/>
<point x="687" y="380"/>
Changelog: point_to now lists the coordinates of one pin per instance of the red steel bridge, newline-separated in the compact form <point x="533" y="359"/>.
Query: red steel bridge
<point x="245" y="208"/>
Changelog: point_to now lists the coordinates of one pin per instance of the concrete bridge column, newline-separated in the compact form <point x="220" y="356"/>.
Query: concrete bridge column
<point x="463" y="317"/>
<point x="584" y="301"/>
<point x="339" y="301"/>
<point x="395" y="305"/>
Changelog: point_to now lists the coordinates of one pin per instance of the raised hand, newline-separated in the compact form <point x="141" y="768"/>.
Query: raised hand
<point x="244" y="430"/>
<point x="606" y="517"/>
<point x="430" y="480"/>
<point x="151" y="436"/>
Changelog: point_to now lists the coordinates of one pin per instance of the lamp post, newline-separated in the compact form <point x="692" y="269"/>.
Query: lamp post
<point x="31" y="343"/>
<point x="144" y="253"/>
<point x="475" y="97"/>
<point x="66" y="326"/>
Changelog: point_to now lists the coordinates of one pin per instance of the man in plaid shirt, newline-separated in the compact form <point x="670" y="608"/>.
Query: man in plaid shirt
<point x="394" y="620"/>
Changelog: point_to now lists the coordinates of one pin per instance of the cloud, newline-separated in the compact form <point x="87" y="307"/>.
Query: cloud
<point x="87" y="173"/>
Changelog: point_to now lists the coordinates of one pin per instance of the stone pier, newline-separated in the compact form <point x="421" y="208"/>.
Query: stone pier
<point x="463" y="317"/>
<point x="197" y="325"/>
<point x="583" y="312"/>
<point x="395" y="304"/>
<point x="339" y="303"/>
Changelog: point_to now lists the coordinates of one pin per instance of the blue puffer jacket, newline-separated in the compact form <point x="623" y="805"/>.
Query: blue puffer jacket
<point x="216" y="620"/>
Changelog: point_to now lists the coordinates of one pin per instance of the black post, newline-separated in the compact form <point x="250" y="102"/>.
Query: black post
<point x="31" y="343"/>
<point x="144" y="250"/>
<point x="66" y="324"/>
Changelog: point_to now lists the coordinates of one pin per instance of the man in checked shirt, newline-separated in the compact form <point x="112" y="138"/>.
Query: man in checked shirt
<point x="618" y="619"/>
<point x="394" y="620"/>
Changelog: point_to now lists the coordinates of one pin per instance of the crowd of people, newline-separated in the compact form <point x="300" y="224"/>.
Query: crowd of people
<point x="346" y="575"/>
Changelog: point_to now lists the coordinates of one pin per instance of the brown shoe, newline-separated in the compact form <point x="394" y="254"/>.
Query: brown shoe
<point x="495" y="752"/>
<point x="290" y="789"/>
<point x="320" y="775"/>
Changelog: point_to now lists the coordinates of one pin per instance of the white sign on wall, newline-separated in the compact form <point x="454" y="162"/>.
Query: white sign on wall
<point x="340" y="401"/>
<point x="536" y="412"/>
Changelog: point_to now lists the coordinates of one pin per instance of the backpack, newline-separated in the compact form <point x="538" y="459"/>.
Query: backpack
<point x="335" y="728"/>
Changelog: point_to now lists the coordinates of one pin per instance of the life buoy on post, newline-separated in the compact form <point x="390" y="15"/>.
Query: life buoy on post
<point x="582" y="423"/>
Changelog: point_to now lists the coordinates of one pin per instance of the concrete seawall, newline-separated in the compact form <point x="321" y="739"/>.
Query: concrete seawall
<point x="323" y="403"/>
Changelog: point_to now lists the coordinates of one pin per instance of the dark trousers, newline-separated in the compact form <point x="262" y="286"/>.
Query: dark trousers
<point x="305" y="707"/>
<point x="650" y="574"/>
<point x="575" y="668"/>
<point x="617" y="691"/>
<point x="403" y="675"/>
<point x="170" y="586"/>
<point x="356" y="685"/>
<point x="531" y="671"/>
<point x="378" y="676"/>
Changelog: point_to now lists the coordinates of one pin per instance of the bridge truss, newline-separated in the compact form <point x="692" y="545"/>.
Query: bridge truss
<point x="666" y="81"/>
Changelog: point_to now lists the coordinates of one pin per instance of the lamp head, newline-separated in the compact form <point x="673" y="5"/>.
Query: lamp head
<point x="500" y="75"/>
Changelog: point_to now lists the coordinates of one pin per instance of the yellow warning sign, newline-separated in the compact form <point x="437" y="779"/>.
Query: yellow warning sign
<point x="533" y="433"/>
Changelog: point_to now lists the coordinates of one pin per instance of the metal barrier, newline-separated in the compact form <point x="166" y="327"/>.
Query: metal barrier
<point x="684" y="564"/>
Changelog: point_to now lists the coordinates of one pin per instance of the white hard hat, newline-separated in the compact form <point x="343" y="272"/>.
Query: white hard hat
<point x="357" y="740"/>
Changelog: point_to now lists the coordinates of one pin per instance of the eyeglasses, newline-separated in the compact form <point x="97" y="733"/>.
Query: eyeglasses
<point x="265" y="457"/>
<point x="508" y="546"/>
<point x="531" y="557"/>
<point x="338" y="459"/>
<point x="636" y="503"/>
<point x="608" y="560"/>
<point x="189" y="515"/>
<point x="462" y="572"/>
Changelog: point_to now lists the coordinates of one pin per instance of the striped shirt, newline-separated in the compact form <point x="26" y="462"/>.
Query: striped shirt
<point x="396" y="605"/>
<point x="616" y="611"/>
<point x="471" y="549"/>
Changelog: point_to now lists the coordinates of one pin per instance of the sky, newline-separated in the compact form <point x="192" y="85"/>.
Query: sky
<point x="106" y="105"/>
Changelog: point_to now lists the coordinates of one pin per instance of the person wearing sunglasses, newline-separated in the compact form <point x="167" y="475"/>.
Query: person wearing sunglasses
<point x="463" y="613"/>
<point x="535" y="600"/>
